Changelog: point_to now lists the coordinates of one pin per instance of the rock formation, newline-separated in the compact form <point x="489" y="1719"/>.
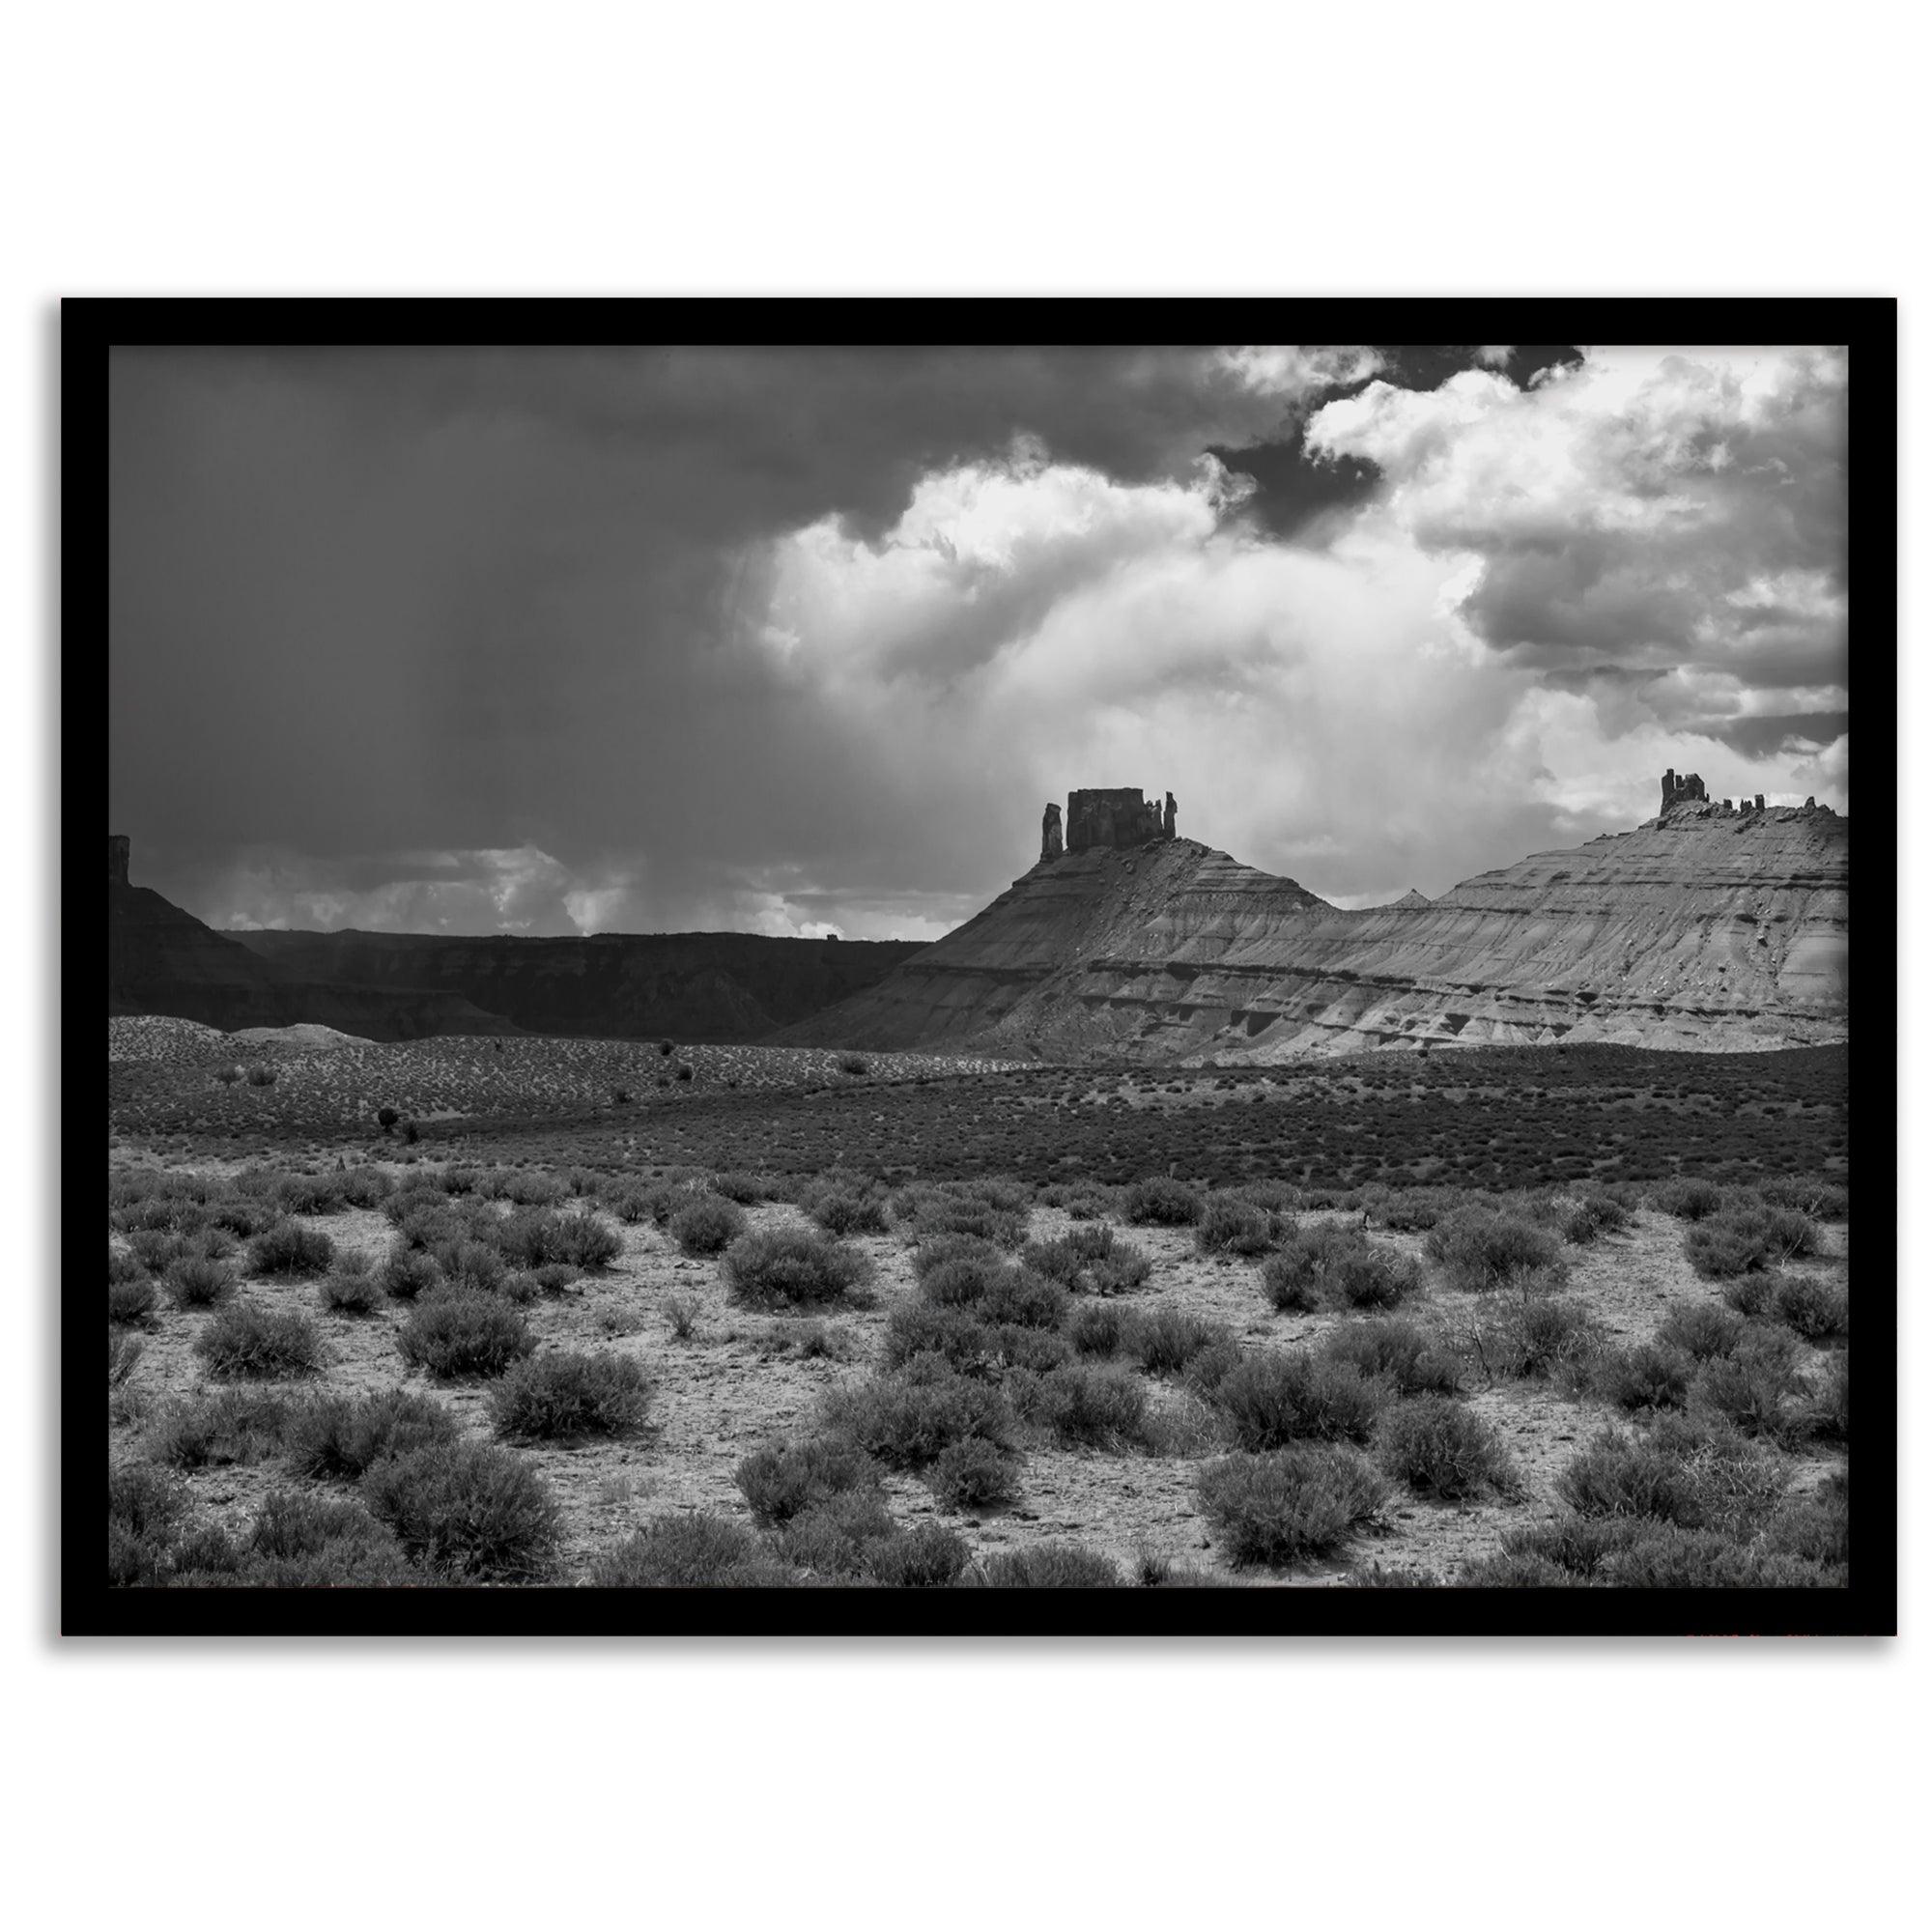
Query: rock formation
<point x="1677" y="791"/>
<point x="1694" y="930"/>
<point x="162" y="960"/>
<point x="1122" y="817"/>
<point x="1050" y="846"/>
<point x="712" y="987"/>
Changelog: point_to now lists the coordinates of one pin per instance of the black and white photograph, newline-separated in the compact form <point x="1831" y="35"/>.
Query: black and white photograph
<point x="916" y="980"/>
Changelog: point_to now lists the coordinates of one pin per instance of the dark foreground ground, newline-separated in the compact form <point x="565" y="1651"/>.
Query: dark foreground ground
<point x="1487" y="1117"/>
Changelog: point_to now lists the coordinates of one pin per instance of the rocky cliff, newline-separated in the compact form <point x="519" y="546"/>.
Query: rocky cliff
<point x="1706" y="928"/>
<point x="164" y="961"/>
<point x="716" y="987"/>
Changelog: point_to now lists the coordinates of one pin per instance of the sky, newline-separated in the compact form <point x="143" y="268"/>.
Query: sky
<point x="801" y="640"/>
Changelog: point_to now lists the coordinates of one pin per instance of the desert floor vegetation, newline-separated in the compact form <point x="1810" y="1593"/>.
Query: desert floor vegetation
<point x="952" y="1323"/>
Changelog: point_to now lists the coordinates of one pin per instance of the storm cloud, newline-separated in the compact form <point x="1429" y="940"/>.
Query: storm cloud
<point x="800" y="640"/>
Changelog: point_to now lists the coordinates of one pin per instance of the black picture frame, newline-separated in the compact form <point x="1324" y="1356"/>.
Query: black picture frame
<point x="86" y="330"/>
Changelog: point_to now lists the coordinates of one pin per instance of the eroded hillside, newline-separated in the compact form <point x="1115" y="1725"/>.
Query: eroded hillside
<point x="1703" y="928"/>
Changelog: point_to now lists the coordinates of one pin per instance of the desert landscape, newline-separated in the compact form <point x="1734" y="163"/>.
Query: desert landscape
<point x="475" y="1310"/>
<point x="710" y="1080"/>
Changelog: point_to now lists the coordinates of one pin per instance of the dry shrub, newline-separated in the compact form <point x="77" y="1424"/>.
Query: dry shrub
<point x="1161" y="1202"/>
<point x="1810" y="1307"/>
<point x="1231" y="1226"/>
<point x="1483" y="1248"/>
<point x="793" y="1267"/>
<point x="1047" y="1566"/>
<point x="1702" y="1330"/>
<point x="1278" y="1508"/>
<point x="1069" y="1258"/>
<point x="351" y="1288"/>
<point x="1439" y="1447"/>
<point x="782" y="1481"/>
<point x="469" y="1511"/>
<point x="1164" y="1341"/>
<point x="566" y="1395"/>
<point x="1329" y="1266"/>
<point x="407" y="1273"/>
<point x="962" y="1280"/>
<point x="1748" y="1239"/>
<point x="1687" y="1200"/>
<point x="707" y="1225"/>
<point x="844" y="1210"/>
<point x="192" y="1280"/>
<point x="935" y="1250"/>
<point x="341" y="1437"/>
<point x="231" y="1426"/>
<point x="1096" y="1329"/>
<point x="1276" y="1396"/>
<point x="1084" y="1405"/>
<point x="1018" y="1297"/>
<point x="453" y="1334"/>
<point x="700" y="1550"/>
<point x="927" y="1557"/>
<point x="1650" y="1376"/>
<point x="1396" y="1351"/>
<point x="1814" y="1196"/>
<point x="1753" y="1387"/>
<point x="1533" y="1333"/>
<point x="286" y="1247"/>
<point x="131" y="1294"/>
<point x="975" y="1474"/>
<point x="259" y="1344"/>
<point x="910" y="1417"/>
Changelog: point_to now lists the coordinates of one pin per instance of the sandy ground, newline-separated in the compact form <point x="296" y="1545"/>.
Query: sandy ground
<point x="739" y="1381"/>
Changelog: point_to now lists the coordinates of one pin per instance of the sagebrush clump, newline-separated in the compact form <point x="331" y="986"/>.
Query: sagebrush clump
<point x="1437" y="1447"/>
<point x="1162" y="1203"/>
<point x="192" y="1280"/>
<point x="1281" y="1507"/>
<point x="1409" y="1358"/>
<point x="1483" y="1249"/>
<point x="909" y="1417"/>
<point x="793" y="1267"/>
<point x="784" y="1479"/>
<point x="342" y="1436"/>
<point x="1278" y="1396"/>
<point x="468" y="1510"/>
<point x="701" y="1550"/>
<point x="259" y="1344"/>
<point x="454" y="1334"/>
<point x="1231" y="1226"/>
<point x="707" y="1225"/>
<point x="976" y="1474"/>
<point x="286" y="1247"/>
<point x="565" y="1395"/>
<point x="1048" y="1566"/>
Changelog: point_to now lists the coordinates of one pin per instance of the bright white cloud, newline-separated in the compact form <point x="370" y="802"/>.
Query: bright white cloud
<point x="1295" y="371"/>
<point x="1347" y="714"/>
<point x="1646" y="509"/>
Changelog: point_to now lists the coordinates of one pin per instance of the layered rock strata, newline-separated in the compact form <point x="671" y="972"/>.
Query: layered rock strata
<point x="1705" y="927"/>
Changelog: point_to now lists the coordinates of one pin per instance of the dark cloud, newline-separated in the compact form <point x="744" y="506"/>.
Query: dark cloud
<point x="791" y="637"/>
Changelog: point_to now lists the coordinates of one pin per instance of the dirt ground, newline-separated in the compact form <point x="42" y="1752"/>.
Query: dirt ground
<point x="739" y="1381"/>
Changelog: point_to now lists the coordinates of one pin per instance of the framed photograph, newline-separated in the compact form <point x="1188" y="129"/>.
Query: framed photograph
<point x="985" y="966"/>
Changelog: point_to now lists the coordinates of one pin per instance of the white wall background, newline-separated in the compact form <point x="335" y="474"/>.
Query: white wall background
<point x="1002" y="148"/>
